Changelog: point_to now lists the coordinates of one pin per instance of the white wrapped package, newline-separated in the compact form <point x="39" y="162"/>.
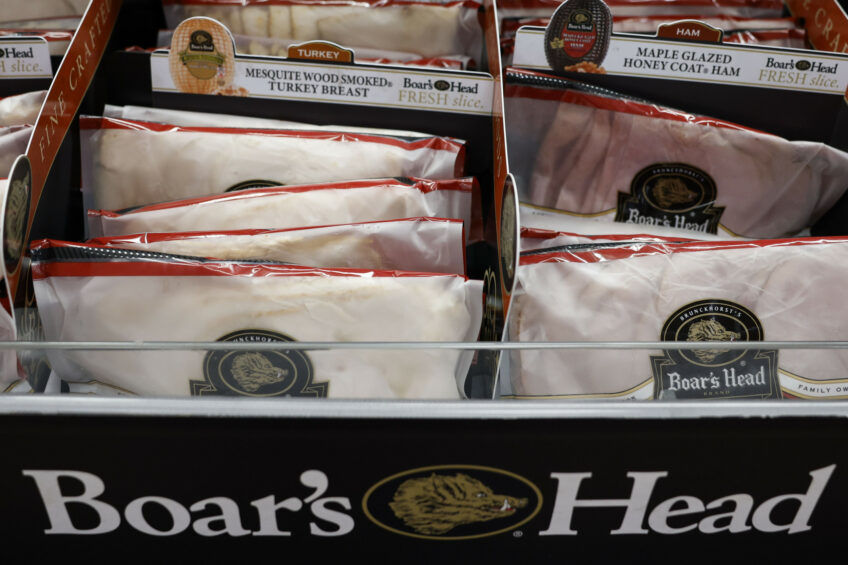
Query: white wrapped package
<point x="21" y="108"/>
<point x="538" y="217"/>
<point x="277" y="47"/>
<point x="432" y="245"/>
<point x="296" y="207"/>
<point x="131" y="163"/>
<point x="429" y="29"/>
<point x="616" y="159"/>
<point x="726" y="23"/>
<point x="535" y="239"/>
<point x="57" y="40"/>
<point x="795" y="38"/>
<point x="102" y="294"/>
<point x="206" y="119"/>
<point x="15" y="10"/>
<point x="13" y="142"/>
<point x="630" y="8"/>
<point x="776" y="290"/>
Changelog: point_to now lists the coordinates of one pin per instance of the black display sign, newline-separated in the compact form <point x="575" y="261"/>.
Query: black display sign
<point x="421" y="490"/>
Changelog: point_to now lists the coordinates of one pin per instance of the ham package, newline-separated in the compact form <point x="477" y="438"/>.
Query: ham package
<point x="630" y="8"/>
<point x="90" y="293"/>
<point x="429" y="29"/>
<point x="613" y="158"/>
<point x="13" y="142"/>
<point x="296" y="206"/>
<point x="131" y="163"/>
<point x="774" y="290"/>
<point x="430" y="245"/>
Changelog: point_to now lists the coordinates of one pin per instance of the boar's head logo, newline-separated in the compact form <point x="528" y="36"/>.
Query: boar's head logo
<point x="672" y="192"/>
<point x="710" y="330"/>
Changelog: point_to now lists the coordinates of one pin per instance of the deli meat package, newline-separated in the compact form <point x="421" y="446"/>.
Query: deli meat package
<point x="616" y="159"/>
<point x="433" y="245"/>
<point x="131" y="163"/>
<point x="429" y="29"/>
<point x="21" y="108"/>
<point x="297" y="206"/>
<point x="534" y="239"/>
<point x="13" y="142"/>
<point x="772" y="290"/>
<point x="631" y="8"/>
<point x="102" y="294"/>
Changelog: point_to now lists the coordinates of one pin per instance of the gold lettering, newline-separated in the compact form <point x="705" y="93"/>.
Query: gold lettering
<point x="828" y="25"/>
<point x="819" y="17"/>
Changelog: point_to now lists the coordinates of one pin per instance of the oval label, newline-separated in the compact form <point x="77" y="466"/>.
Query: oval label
<point x="452" y="502"/>
<point x="258" y="373"/>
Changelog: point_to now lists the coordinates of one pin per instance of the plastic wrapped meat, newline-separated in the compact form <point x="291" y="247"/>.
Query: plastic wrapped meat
<point x="639" y="293"/>
<point x="617" y="159"/>
<point x="128" y="163"/>
<point x="297" y="206"/>
<point x="114" y="295"/>
<point x="21" y="108"/>
<point x="17" y="10"/>
<point x="432" y="245"/>
<point x="535" y="239"/>
<point x="13" y="142"/>
<point x="428" y="29"/>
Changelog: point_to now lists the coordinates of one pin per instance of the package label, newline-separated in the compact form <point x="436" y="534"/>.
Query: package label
<point x="263" y="77"/>
<point x="24" y="57"/>
<point x="788" y="69"/>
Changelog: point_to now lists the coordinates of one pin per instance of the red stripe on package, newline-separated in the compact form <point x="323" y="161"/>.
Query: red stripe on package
<point x="130" y="163"/>
<point x="413" y="244"/>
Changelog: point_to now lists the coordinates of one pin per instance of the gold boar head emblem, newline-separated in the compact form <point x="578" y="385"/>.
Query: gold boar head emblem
<point x="669" y="192"/>
<point x="436" y="504"/>
<point x="710" y="330"/>
<point x="254" y="370"/>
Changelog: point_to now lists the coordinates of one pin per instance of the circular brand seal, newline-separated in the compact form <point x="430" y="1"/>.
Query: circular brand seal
<point x="16" y="212"/>
<point x="711" y="320"/>
<point x="261" y="373"/>
<point x="441" y="85"/>
<point x="675" y="187"/>
<point x="452" y="502"/>
<point x="579" y="31"/>
<point x="803" y="65"/>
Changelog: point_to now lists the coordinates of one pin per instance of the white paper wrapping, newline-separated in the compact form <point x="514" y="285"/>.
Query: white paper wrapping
<point x="129" y="163"/>
<point x="413" y="244"/>
<point x="188" y="301"/>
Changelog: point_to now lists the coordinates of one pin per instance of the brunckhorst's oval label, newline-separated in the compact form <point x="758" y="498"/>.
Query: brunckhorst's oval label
<point x="202" y="57"/>
<point x="672" y="195"/>
<point x="452" y="502"/>
<point x="281" y="372"/>
<point x="714" y="372"/>
<point x="256" y="183"/>
<point x="579" y="31"/>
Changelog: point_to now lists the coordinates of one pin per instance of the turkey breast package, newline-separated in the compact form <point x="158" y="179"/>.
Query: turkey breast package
<point x="774" y="290"/>
<point x="95" y="293"/>
<point x="611" y="158"/>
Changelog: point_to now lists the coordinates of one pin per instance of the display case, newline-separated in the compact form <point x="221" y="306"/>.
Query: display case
<point x="223" y="478"/>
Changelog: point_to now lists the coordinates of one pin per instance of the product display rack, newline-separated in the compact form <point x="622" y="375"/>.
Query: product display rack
<point x="575" y="481"/>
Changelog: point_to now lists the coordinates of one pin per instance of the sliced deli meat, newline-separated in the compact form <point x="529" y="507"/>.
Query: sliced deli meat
<point x="131" y="163"/>
<point x="102" y="294"/>
<point x="683" y="292"/>
<point x="433" y="245"/>
<point x="617" y="159"/>
<point x="297" y="206"/>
